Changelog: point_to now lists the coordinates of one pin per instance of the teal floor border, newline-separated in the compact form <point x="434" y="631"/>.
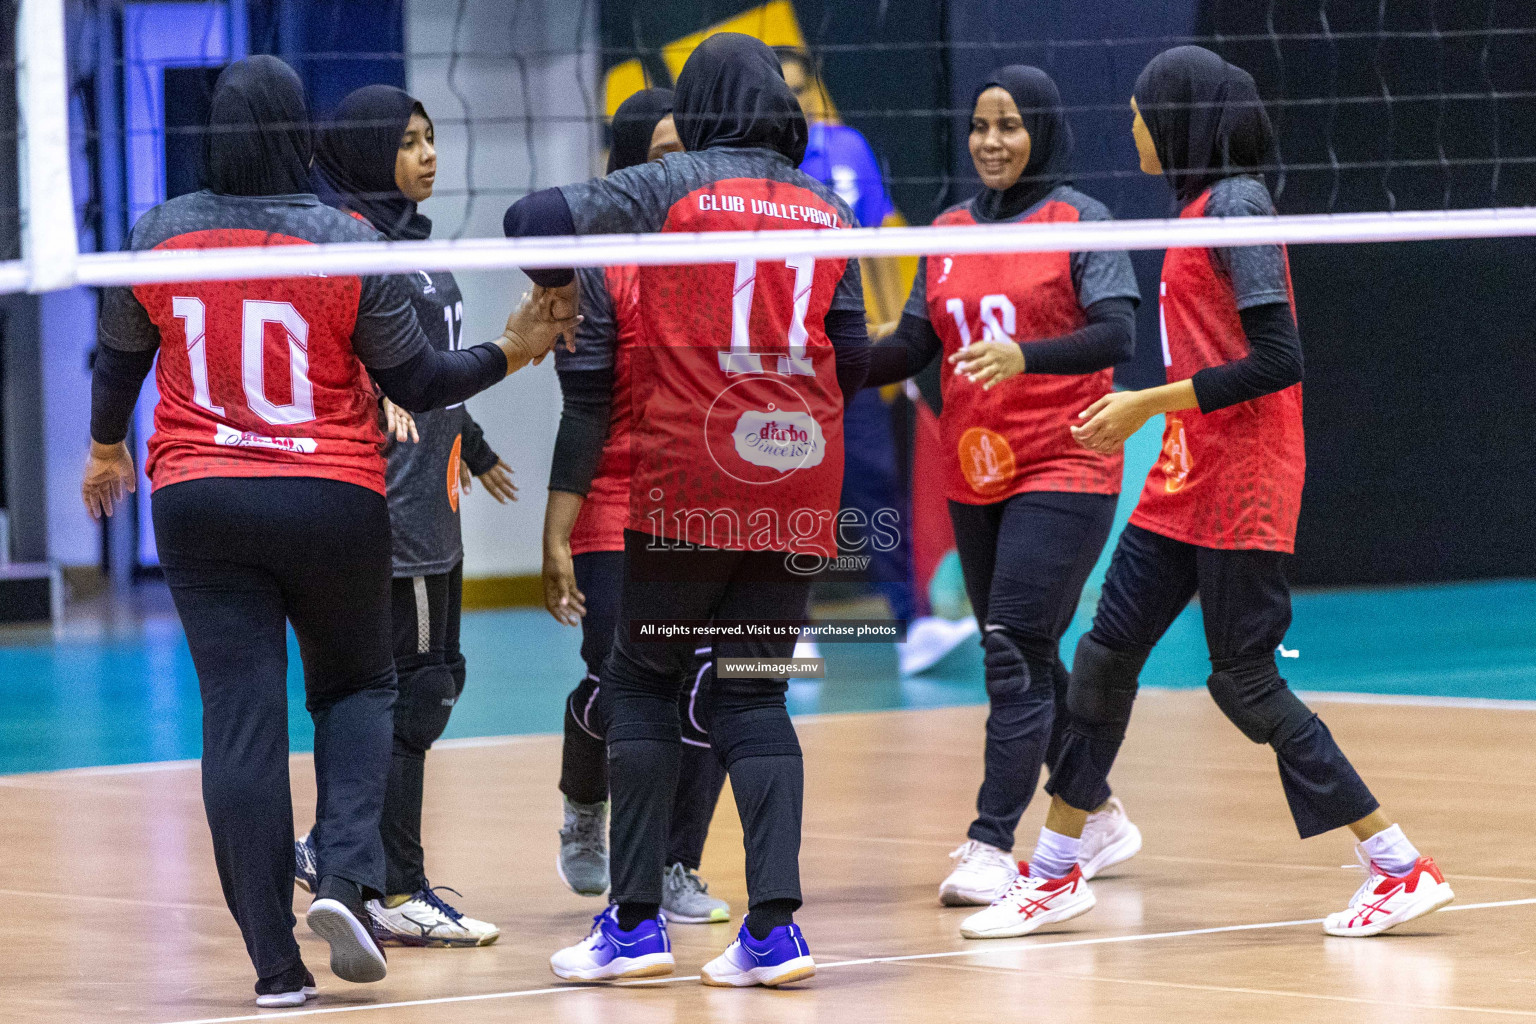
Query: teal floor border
<point x="129" y="694"/>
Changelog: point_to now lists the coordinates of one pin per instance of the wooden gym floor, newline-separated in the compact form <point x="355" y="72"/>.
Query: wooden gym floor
<point x="113" y="913"/>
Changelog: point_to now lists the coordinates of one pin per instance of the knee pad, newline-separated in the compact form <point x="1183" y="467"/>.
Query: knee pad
<point x="426" y="697"/>
<point x="1257" y="700"/>
<point x="581" y="704"/>
<point x="1008" y="678"/>
<point x="693" y="704"/>
<point x="753" y="732"/>
<point x="1102" y="690"/>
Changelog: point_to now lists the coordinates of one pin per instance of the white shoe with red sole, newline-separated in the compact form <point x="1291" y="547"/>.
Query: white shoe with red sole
<point x="1030" y="904"/>
<point x="1386" y="901"/>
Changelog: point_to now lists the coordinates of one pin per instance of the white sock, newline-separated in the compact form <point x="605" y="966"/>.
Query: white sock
<point x="1055" y="855"/>
<point x="1390" y="850"/>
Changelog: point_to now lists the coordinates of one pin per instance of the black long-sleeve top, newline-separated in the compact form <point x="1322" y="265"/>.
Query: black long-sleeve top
<point x="1109" y="337"/>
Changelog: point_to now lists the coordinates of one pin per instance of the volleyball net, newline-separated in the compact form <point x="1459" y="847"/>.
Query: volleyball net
<point x="1401" y="122"/>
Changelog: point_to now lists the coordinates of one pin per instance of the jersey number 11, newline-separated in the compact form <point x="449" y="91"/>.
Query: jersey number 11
<point x="741" y="358"/>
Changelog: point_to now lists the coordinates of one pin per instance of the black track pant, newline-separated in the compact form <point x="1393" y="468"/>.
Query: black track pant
<point x="431" y="678"/>
<point x="750" y="730"/>
<point x="1246" y="605"/>
<point x="584" y="756"/>
<point x="1025" y="561"/>
<point x="243" y="558"/>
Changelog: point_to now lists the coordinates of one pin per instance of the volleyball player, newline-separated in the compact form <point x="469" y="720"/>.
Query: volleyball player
<point x="584" y="564"/>
<point x="751" y="359"/>
<point x="268" y="499"/>
<point x="1218" y="514"/>
<point x="1031" y="338"/>
<point x="379" y="159"/>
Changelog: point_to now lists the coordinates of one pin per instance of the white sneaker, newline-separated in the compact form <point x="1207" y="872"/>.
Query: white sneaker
<point x="981" y="874"/>
<point x="1109" y="838"/>
<point x="929" y="639"/>
<point x="1386" y="901"/>
<point x="426" y="919"/>
<point x="1031" y="903"/>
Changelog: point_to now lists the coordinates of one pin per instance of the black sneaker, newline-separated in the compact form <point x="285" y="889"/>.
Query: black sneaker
<point x="340" y="917"/>
<point x="291" y="988"/>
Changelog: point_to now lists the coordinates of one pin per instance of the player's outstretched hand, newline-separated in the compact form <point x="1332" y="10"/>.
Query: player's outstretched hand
<point x="988" y="362"/>
<point x="564" y="601"/>
<point x="109" y="476"/>
<point x="544" y="317"/>
<point x="497" y="482"/>
<point x="1109" y="421"/>
<point x="398" y="423"/>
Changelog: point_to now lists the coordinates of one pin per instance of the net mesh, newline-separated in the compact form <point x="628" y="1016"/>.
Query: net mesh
<point x="1385" y="108"/>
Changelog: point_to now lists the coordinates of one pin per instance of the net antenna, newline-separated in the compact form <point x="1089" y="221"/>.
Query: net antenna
<point x="49" y="245"/>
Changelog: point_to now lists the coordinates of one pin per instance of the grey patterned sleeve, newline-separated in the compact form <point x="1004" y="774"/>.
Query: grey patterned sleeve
<point x="1100" y="275"/>
<point x="387" y="332"/>
<point x="635" y="199"/>
<point x="597" y="334"/>
<point x="917" y="299"/>
<point x="1257" y="272"/>
<point x="122" y="322"/>
<point x="850" y="289"/>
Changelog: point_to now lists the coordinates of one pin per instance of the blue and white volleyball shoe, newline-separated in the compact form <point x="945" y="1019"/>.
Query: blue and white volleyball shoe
<point x="781" y="958"/>
<point x="306" y="870"/>
<point x="609" y="953"/>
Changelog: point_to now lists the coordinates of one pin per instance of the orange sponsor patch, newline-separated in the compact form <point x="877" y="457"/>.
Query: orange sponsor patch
<point x="986" y="461"/>
<point x="453" y="473"/>
<point x="1177" y="462"/>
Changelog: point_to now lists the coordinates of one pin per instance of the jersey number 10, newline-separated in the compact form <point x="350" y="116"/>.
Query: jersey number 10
<point x="741" y="358"/>
<point x="255" y="315"/>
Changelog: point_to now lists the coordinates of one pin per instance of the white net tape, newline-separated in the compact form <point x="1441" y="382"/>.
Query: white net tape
<point x="52" y="260"/>
<point x="673" y="248"/>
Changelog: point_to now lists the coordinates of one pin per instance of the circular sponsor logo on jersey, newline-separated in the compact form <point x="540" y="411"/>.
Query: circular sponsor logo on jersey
<point x="1177" y="461"/>
<point x="761" y="430"/>
<point x="986" y="460"/>
<point x="453" y="473"/>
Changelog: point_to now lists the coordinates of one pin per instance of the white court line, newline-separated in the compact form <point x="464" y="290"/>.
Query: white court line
<point x="818" y="718"/>
<point x="833" y="837"/>
<point x="990" y="950"/>
<point x="1413" y="701"/>
<point x="1101" y="979"/>
<point x="118" y="900"/>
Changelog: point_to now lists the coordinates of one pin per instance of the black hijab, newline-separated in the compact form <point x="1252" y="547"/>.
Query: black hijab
<point x="258" y="141"/>
<point x="633" y="125"/>
<point x="356" y="158"/>
<point x="1206" y="119"/>
<point x="1050" y="141"/>
<point x="732" y="93"/>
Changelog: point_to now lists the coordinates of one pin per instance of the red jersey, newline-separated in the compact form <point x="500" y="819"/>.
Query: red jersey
<point x="1015" y="438"/>
<point x="1231" y="478"/>
<point x="736" y="437"/>
<point x="262" y="378"/>
<point x="258" y="378"/>
<point x="600" y="525"/>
